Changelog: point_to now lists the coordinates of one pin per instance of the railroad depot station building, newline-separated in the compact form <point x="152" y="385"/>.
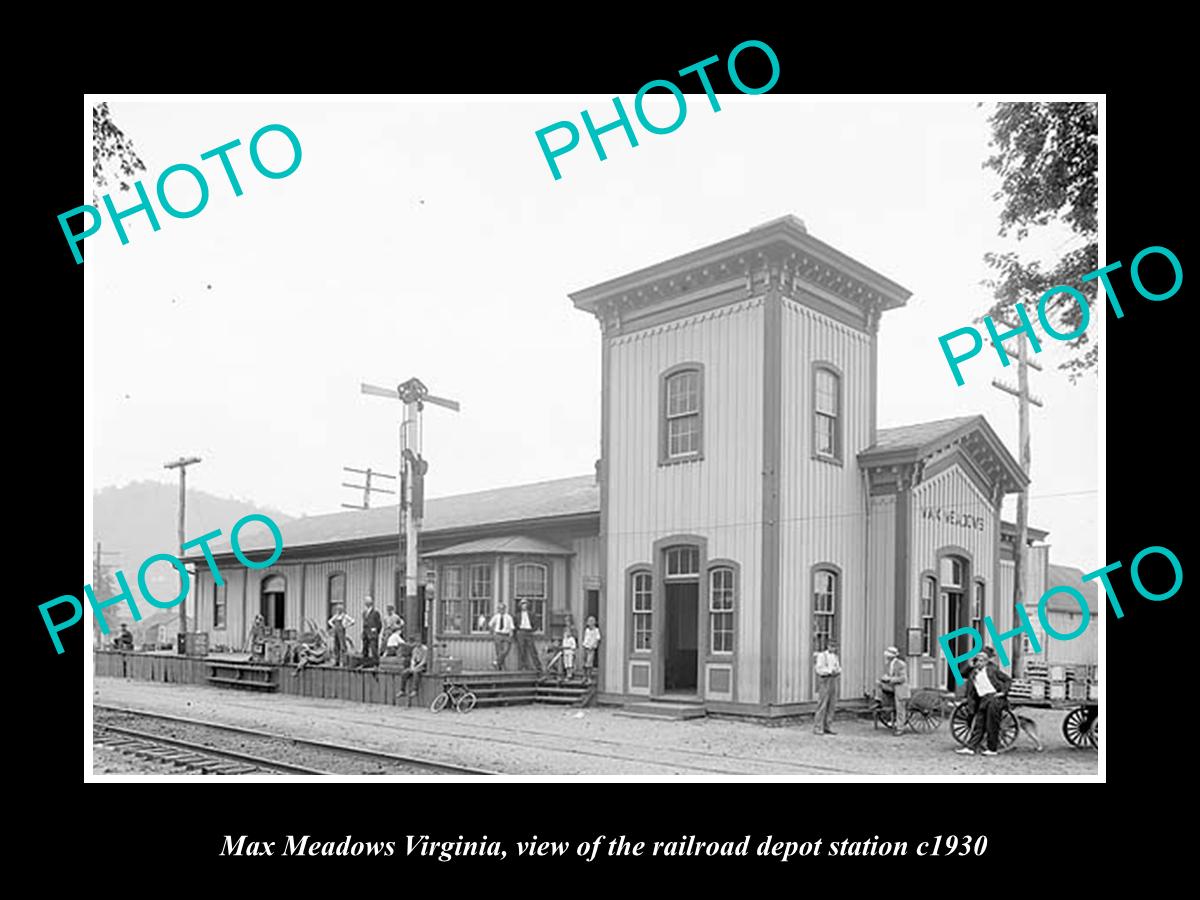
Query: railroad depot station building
<point x="745" y="507"/>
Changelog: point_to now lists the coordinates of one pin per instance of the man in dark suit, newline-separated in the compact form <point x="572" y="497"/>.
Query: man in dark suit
<point x="987" y="698"/>
<point x="372" y="625"/>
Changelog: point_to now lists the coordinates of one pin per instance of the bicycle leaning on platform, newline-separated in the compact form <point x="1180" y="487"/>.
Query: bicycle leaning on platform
<point x="454" y="694"/>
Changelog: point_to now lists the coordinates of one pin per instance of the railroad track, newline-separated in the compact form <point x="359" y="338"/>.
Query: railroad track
<point x="189" y="756"/>
<point x="171" y="748"/>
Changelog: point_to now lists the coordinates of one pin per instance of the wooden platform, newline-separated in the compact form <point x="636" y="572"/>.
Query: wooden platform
<point x="381" y="685"/>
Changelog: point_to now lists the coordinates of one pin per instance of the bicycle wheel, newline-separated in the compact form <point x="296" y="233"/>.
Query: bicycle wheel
<point x="466" y="702"/>
<point x="439" y="702"/>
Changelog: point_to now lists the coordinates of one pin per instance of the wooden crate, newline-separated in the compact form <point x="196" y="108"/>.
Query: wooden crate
<point x="1077" y="690"/>
<point x="1058" y="673"/>
<point x="1058" y="690"/>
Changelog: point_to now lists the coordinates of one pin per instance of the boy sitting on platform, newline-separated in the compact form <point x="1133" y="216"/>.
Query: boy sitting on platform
<point x="416" y="668"/>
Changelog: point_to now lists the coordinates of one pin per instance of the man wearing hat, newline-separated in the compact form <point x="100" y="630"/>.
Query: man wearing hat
<point x="828" y="668"/>
<point x="372" y="625"/>
<point x="987" y="691"/>
<point x="894" y="681"/>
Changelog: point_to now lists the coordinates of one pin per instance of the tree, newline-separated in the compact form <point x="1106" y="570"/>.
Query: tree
<point x="1047" y="161"/>
<point x="113" y="155"/>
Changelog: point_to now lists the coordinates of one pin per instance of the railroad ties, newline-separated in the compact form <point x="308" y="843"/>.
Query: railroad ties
<point x="187" y="756"/>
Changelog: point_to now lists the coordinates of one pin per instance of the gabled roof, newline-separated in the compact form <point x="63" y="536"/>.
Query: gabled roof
<point x="908" y="437"/>
<point x="563" y="497"/>
<point x="911" y="443"/>
<point x="504" y="544"/>
<point x="1069" y="576"/>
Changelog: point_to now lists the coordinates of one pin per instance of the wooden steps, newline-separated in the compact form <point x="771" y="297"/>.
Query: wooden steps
<point x="513" y="688"/>
<point x="662" y="709"/>
<point x="242" y="675"/>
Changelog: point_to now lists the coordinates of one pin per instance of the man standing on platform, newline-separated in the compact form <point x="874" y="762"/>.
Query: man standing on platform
<point x="829" y="670"/>
<point x="526" y="649"/>
<point x="501" y="626"/>
<point x="339" y="623"/>
<point x="372" y="625"/>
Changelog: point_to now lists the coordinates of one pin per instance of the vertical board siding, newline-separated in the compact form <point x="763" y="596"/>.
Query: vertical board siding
<point x="881" y="624"/>
<point x="718" y="497"/>
<point x="950" y="490"/>
<point x="822" y="511"/>
<point x="585" y="565"/>
<point x="385" y="580"/>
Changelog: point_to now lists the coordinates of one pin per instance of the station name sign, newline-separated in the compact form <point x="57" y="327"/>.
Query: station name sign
<point x="950" y="517"/>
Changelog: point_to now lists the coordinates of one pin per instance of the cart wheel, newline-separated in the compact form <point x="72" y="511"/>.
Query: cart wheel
<point x="466" y="702"/>
<point x="925" y="720"/>
<point x="1094" y="732"/>
<point x="1009" y="729"/>
<point x="1075" y="727"/>
<point x="439" y="702"/>
<point x="960" y="724"/>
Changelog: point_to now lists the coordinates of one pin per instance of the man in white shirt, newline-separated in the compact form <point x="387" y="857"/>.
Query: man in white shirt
<point x="526" y="649"/>
<point x="501" y="626"/>
<point x="829" y="670"/>
<point x="987" y="693"/>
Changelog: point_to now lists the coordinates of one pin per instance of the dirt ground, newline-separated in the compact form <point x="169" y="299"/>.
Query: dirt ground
<point x="539" y="740"/>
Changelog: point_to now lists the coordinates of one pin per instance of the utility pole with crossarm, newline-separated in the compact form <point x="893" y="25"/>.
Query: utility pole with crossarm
<point x="1024" y="398"/>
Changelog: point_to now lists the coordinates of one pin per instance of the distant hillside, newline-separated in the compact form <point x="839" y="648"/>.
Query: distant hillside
<point x="139" y="520"/>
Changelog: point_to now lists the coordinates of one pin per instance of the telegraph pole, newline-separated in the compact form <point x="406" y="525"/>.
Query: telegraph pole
<point x="414" y="395"/>
<point x="97" y="579"/>
<point x="366" y="488"/>
<point x="181" y="464"/>
<point x="1024" y="398"/>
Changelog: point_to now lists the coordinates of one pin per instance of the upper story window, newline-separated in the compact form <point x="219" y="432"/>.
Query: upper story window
<point x="827" y="413"/>
<point x="977" y="607"/>
<point x="682" y="414"/>
<point x="530" y="583"/>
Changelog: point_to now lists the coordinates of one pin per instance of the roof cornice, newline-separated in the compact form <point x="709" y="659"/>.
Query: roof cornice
<point x="783" y="246"/>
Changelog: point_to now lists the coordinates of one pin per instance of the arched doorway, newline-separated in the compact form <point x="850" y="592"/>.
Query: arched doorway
<point x="273" y="601"/>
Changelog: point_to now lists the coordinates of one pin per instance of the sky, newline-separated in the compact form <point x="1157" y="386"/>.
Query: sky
<point x="426" y="237"/>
